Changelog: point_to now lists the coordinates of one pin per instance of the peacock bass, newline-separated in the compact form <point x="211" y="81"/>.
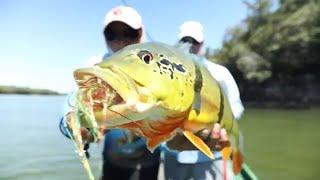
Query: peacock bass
<point x="156" y="91"/>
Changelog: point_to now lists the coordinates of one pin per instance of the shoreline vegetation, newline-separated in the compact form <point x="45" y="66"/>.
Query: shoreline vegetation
<point x="274" y="54"/>
<point x="27" y="91"/>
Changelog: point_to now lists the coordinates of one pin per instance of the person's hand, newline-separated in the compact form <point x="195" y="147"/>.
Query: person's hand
<point x="216" y="139"/>
<point x="85" y="134"/>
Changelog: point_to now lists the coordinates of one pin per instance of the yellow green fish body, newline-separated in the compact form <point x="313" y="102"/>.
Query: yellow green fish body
<point x="157" y="91"/>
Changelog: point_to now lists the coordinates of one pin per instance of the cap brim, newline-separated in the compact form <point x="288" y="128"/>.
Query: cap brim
<point x="199" y="38"/>
<point x="133" y="25"/>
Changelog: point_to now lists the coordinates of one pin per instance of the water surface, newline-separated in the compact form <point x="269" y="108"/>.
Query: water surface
<point x="32" y="146"/>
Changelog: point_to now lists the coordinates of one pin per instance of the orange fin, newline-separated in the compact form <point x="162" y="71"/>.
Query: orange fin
<point x="226" y="152"/>
<point x="153" y="142"/>
<point x="130" y="125"/>
<point x="196" y="141"/>
<point x="237" y="160"/>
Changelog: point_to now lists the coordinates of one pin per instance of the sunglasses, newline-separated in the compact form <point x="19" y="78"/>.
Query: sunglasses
<point x="126" y="34"/>
<point x="189" y="40"/>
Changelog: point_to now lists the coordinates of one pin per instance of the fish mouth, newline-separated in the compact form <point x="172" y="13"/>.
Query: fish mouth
<point x="110" y="94"/>
<point x="98" y="90"/>
<point x="98" y="94"/>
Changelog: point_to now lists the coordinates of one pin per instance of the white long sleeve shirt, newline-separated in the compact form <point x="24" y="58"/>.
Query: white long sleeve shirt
<point x="228" y="85"/>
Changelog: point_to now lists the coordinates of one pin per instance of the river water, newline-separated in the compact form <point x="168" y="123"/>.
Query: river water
<point x="31" y="145"/>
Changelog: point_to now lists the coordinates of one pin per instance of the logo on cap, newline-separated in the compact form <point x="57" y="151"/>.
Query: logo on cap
<point x="117" y="11"/>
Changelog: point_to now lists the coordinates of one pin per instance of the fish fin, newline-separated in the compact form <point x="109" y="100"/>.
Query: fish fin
<point x="237" y="161"/>
<point x="153" y="142"/>
<point x="196" y="141"/>
<point x="130" y="125"/>
<point x="226" y="152"/>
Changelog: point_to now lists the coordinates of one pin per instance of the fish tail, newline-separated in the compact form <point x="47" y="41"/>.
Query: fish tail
<point x="237" y="157"/>
<point x="237" y="161"/>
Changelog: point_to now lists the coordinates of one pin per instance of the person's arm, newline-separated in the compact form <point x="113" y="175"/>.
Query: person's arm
<point x="231" y="89"/>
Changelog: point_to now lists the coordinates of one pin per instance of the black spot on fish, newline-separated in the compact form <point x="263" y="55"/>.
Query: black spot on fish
<point x="160" y="55"/>
<point x="154" y="70"/>
<point x="159" y="66"/>
<point x="198" y="81"/>
<point x="179" y="67"/>
<point x="165" y="61"/>
<point x="196" y="105"/>
<point x="220" y="114"/>
<point x="172" y="66"/>
<point x="171" y="73"/>
<point x="165" y="68"/>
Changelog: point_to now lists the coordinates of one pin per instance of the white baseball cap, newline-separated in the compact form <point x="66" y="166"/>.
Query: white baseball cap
<point x="124" y="14"/>
<point x="192" y="29"/>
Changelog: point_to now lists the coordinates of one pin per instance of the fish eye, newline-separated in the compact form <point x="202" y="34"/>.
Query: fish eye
<point x="145" y="56"/>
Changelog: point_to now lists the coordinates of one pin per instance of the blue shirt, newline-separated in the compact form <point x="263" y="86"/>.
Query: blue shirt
<point x="117" y="150"/>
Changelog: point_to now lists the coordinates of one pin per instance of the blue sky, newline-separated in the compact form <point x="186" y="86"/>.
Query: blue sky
<point x="43" y="41"/>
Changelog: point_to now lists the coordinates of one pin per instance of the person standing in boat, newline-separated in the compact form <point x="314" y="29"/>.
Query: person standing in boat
<point x="125" y="156"/>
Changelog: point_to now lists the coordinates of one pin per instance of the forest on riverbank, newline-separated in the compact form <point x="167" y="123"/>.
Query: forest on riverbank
<point x="26" y="90"/>
<point x="274" y="55"/>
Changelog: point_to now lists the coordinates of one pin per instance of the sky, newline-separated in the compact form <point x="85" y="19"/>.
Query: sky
<point x="43" y="41"/>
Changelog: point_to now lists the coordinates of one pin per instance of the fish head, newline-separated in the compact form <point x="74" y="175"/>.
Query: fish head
<point x="142" y="81"/>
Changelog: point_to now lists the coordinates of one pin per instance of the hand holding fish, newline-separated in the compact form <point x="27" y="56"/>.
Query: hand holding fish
<point x="216" y="139"/>
<point x="85" y="133"/>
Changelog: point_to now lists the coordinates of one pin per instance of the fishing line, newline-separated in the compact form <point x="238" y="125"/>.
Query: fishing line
<point x="126" y="136"/>
<point x="119" y="114"/>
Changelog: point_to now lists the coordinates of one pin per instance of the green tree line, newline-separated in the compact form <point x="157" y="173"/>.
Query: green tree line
<point x="275" y="54"/>
<point x="25" y="90"/>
